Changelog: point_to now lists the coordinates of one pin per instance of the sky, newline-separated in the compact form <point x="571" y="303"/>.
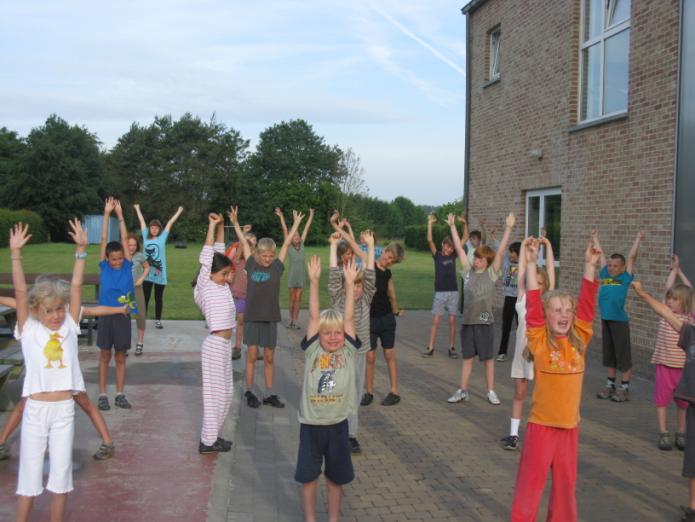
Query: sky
<point x="386" y="78"/>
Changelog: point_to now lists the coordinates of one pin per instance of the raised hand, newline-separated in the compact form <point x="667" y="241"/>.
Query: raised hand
<point x="462" y="218"/>
<point x="246" y="229"/>
<point x="19" y="236"/>
<point x="136" y="206"/>
<point x="335" y="216"/>
<point x="109" y="205"/>
<point x="431" y="218"/>
<point x="214" y="218"/>
<point x="451" y="220"/>
<point x="637" y="286"/>
<point x="592" y="254"/>
<point x="531" y="245"/>
<point x="314" y="268"/>
<point x="675" y="262"/>
<point x="77" y="233"/>
<point x="510" y="221"/>
<point x="297" y="216"/>
<point x="312" y="211"/>
<point x="368" y="237"/>
<point x="278" y="211"/>
<point x="233" y="214"/>
<point x="641" y="234"/>
<point x="350" y="271"/>
<point x="334" y="238"/>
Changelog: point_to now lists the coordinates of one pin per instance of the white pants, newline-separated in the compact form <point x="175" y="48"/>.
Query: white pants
<point x="360" y="366"/>
<point x="216" y="365"/>
<point x="52" y="425"/>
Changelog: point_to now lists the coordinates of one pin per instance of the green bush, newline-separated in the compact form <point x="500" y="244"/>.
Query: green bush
<point x="416" y="236"/>
<point x="37" y="228"/>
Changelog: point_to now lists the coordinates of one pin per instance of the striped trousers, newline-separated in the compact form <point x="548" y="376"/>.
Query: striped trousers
<point x="216" y="364"/>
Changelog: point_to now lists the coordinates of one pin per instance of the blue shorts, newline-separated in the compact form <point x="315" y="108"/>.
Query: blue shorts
<point x="329" y="443"/>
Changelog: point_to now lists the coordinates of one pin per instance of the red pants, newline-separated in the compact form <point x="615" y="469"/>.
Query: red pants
<point x="544" y="449"/>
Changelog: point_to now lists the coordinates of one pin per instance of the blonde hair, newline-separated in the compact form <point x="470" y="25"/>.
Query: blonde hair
<point x="574" y="338"/>
<point x="48" y="289"/>
<point x="265" y="244"/>
<point x="330" y="318"/>
<point x="683" y="295"/>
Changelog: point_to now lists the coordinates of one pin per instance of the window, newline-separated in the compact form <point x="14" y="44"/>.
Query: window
<point x="604" y="58"/>
<point x="543" y="213"/>
<point x="494" y="54"/>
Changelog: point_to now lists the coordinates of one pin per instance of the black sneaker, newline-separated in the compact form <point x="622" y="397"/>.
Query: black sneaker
<point x="688" y="514"/>
<point x="103" y="403"/>
<point x="216" y="447"/>
<point x="251" y="400"/>
<point x="104" y="452"/>
<point x="367" y="399"/>
<point x="236" y="354"/>
<point x="354" y="446"/>
<point x="511" y="443"/>
<point x="224" y="443"/>
<point x="273" y="401"/>
<point x="452" y="353"/>
<point x="428" y="352"/>
<point x="391" y="399"/>
<point x="122" y="402"/>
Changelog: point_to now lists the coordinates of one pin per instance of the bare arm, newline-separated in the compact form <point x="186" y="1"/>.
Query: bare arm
<point x="549" y="262"/>
<point x="333" y="250"/>
<point x="391" y="289"/>
<point x="123" y="231"/>
<point x="659" y="307"/>
<point x="281" y="217"/>
<point x="531" y="246"/>
<point x="350" y="273"/>
<point x="348" y="227"/>
<point x="314" y="273"/>
<point x="521" y="278"/>
<point x="592" y="258"/>
<point x="466" y="230"/>
<point x="79" y="236"/>
<point x="463" y="258"/>
<point x="9" y="302"/>
<point x="234" y="218"/>
<point x="483" y="232"/>
<point x="173" y="219"/>
<point x="632" y="255"/>
<point x="296" y="220"/>
<point x="368" y="236"/>
<point x="499" y="255"/>
<point x="145" y="272"/>
<point x="430" y="242"/>
<point x="594" y="237"/>
<point x="213" y="221"/>
<point x="673" y="273"/>
<point x="99" y="311"/>
<point x="684" y="279"/>
<point x="141" y="219"/>
<point x="353" y="244"/>
<point x="109" y="206"/>
<point x="19" y="236"/>
<point x="307" y="225"/>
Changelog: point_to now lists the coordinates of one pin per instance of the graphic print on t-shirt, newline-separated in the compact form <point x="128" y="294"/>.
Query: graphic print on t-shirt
<point x="260" y="277"/>
<point x="153" y="259"/>
<point x="327" y="363"/>
<point x="54" y="351"/>
<point x="611" y="281"/>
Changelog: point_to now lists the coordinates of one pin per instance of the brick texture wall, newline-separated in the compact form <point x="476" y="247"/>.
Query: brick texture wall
<point x="617" y="176"/>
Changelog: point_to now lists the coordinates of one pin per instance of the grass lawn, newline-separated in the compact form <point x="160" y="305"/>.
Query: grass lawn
<point x="414" y="278"/>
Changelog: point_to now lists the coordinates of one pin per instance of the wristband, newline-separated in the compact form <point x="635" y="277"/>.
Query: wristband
<point x="82" y="255"/>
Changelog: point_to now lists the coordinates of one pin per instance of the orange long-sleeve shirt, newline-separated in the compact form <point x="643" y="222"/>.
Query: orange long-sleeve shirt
<point x="559" y="371"/>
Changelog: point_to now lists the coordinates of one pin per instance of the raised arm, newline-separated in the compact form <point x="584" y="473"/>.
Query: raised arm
<point x="499" y="255"/>
<point x="307" y="225"/>
<point x="549" y="262"/>
<point x="109" y="206"/>
<point x="673" y="273"/>
<point x="659" y="307"/>
<point x="594" y="238"/>
<point x="173" y="219"/>
<point x="463" y="258"/>
<point x="350" y="239"/>
<point x="592" y="257"/>
<point x="350" y="272"/>
<point x="333" y="250"/>
<point x="122" y="230"/>
<point x="213" y="221"/>
<point x="466" y="231"/>
<point x="79" y="236"/>
<point x="632" y="255"/>
<point x="368" y="237"/>
<point x="141" y="219"/>
<point x="296" y="220"/>
<point x="314" y="273"/>
<point x="345" y="224"/>
<point x="281" y="217"/>
<point x="521" y="278"/>
<point x="19" y="236"/>
<point x="234" y="218"/>
<point x="483" y="232"/>
<point x="431" y="218"/>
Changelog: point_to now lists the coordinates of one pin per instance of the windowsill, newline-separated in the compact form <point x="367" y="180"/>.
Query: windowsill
<point x="598" y="121"/>
<point x="492" y="82"/>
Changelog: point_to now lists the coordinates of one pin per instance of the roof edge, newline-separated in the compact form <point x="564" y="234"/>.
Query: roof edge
<point x="472" y="6"/>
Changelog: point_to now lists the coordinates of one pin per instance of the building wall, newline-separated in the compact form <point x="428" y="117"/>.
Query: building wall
<point x="617" y="176"/>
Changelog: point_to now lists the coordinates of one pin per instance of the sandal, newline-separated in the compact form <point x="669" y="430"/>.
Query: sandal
<point x="138" y="349"/>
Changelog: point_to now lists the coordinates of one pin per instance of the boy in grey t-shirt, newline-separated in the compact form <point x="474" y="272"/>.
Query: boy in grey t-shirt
<point x="328" y="394"/>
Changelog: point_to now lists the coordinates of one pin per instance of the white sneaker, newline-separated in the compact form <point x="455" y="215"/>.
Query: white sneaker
<point x="492" y="397"/>
<point x="458" y="396"/>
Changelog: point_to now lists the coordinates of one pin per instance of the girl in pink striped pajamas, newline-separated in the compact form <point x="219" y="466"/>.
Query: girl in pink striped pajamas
<point x="214" y="298"/>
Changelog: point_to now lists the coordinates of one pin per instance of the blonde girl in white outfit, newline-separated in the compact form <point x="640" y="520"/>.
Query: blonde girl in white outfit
<point x="47" y="326"/>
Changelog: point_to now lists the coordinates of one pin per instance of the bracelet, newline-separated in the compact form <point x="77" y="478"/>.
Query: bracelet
<point x="81" y="255"/>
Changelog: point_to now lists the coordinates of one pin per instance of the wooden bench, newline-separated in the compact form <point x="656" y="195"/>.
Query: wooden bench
<point x="5" y="370"/>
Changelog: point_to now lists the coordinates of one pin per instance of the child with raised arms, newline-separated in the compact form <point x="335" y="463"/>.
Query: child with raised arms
<point x="328" y="395"/>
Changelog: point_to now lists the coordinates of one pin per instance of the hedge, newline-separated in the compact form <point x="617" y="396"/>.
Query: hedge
<point x="416" y="236"/>
<point x="37" y="228"/>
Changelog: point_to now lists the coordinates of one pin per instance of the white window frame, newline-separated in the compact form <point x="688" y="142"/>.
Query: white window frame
<point x="494" y="42"/>
<point x="606" y="33"/>
<point x="541" y="194"/>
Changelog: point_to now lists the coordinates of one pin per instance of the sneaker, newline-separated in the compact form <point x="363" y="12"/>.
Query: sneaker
<point x="224" y="443"/>
<point x="428" y="352"/>
<point x="391" y="399"/>
<point x="251" y="400"/>
<point x="452" y="353"/>
<point x="103" y="403"/>
<point x="158" y="325"/>
<point x="273" y="401"/>
<point x="297" y="327"/>
<point x="104" y="452"/>
<point x="688" y="514"/>
<point x="606" y="393"/>
<point x="501" y="357"/>
<point x="511" y="443"/>
<point x="492" y="398"/>
<point x="236" y="354"/>
<point x="4" y="452"/>
<point x="138" y="349"/>
<point x="122" y="402"/>
<point x="458" y="396"/>
<point x="680" y="441"/>
<point x="367" y="399"/>
<point x="621" y="395"/>
<point x="665" y="443"/>
<point x="354" y="446"/>
<point x="216" y="447"/>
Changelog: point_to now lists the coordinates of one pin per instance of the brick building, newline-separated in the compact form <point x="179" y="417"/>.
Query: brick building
<point x="581" y="114"/>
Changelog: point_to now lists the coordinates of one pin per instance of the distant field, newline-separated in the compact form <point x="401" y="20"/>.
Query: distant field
<point x="414" y="278"/>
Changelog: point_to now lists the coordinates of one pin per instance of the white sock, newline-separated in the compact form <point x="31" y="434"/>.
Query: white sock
<point x="514" y="427"/>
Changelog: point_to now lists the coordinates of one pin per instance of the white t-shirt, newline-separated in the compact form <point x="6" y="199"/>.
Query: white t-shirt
<point x="50" y="358"/>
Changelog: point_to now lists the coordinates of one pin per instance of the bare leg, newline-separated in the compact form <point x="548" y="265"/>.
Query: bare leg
<point x="298" y="303"/>
<point x="268" y="367"/>
<point x="490" y="374"/>
<point x="369" y="372"/>
<point x="466" y="371"/>
<point x="661" y="418"/>
<point x="13" y="421"/>
<point x="250" y="370"/>
<point x="390" y="357"/>
<point x="520" y="389"/>
<point x="335" y="496"/>
<point x="239" y="330"/>
<point x="452" y="331"/>
<point x="24" y="506"/>
<point x="58" y="501"/>
<point x="680" y="413"/>
<point x="309" y="500"/>
<point x="104" y="361"/>
<point x="120" y="371"/>
<point x="611" y="373"/>
<point x="141" y="335"/>
<point x="82" y="399"/>
<point x="627" y="375"/>
<point x="433" y="331"/>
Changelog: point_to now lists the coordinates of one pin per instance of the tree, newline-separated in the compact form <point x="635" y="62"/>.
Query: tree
<point x="410" y="213"/>
<point x="61" y="175"/>
<point x="12" y="157"/>
<point x="351" y="180"/>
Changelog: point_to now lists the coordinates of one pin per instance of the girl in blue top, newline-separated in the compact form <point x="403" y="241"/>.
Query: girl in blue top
<point x="154" y="243"/>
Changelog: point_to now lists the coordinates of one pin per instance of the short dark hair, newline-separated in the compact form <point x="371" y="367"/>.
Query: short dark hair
<point x="618" y="256"/>
<point x="113" y="246"/>
<point x="515" y="247"/>
<point x="475" y="234"/>
<point x="448" y="241"/>
<point x="219" y="262"/>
